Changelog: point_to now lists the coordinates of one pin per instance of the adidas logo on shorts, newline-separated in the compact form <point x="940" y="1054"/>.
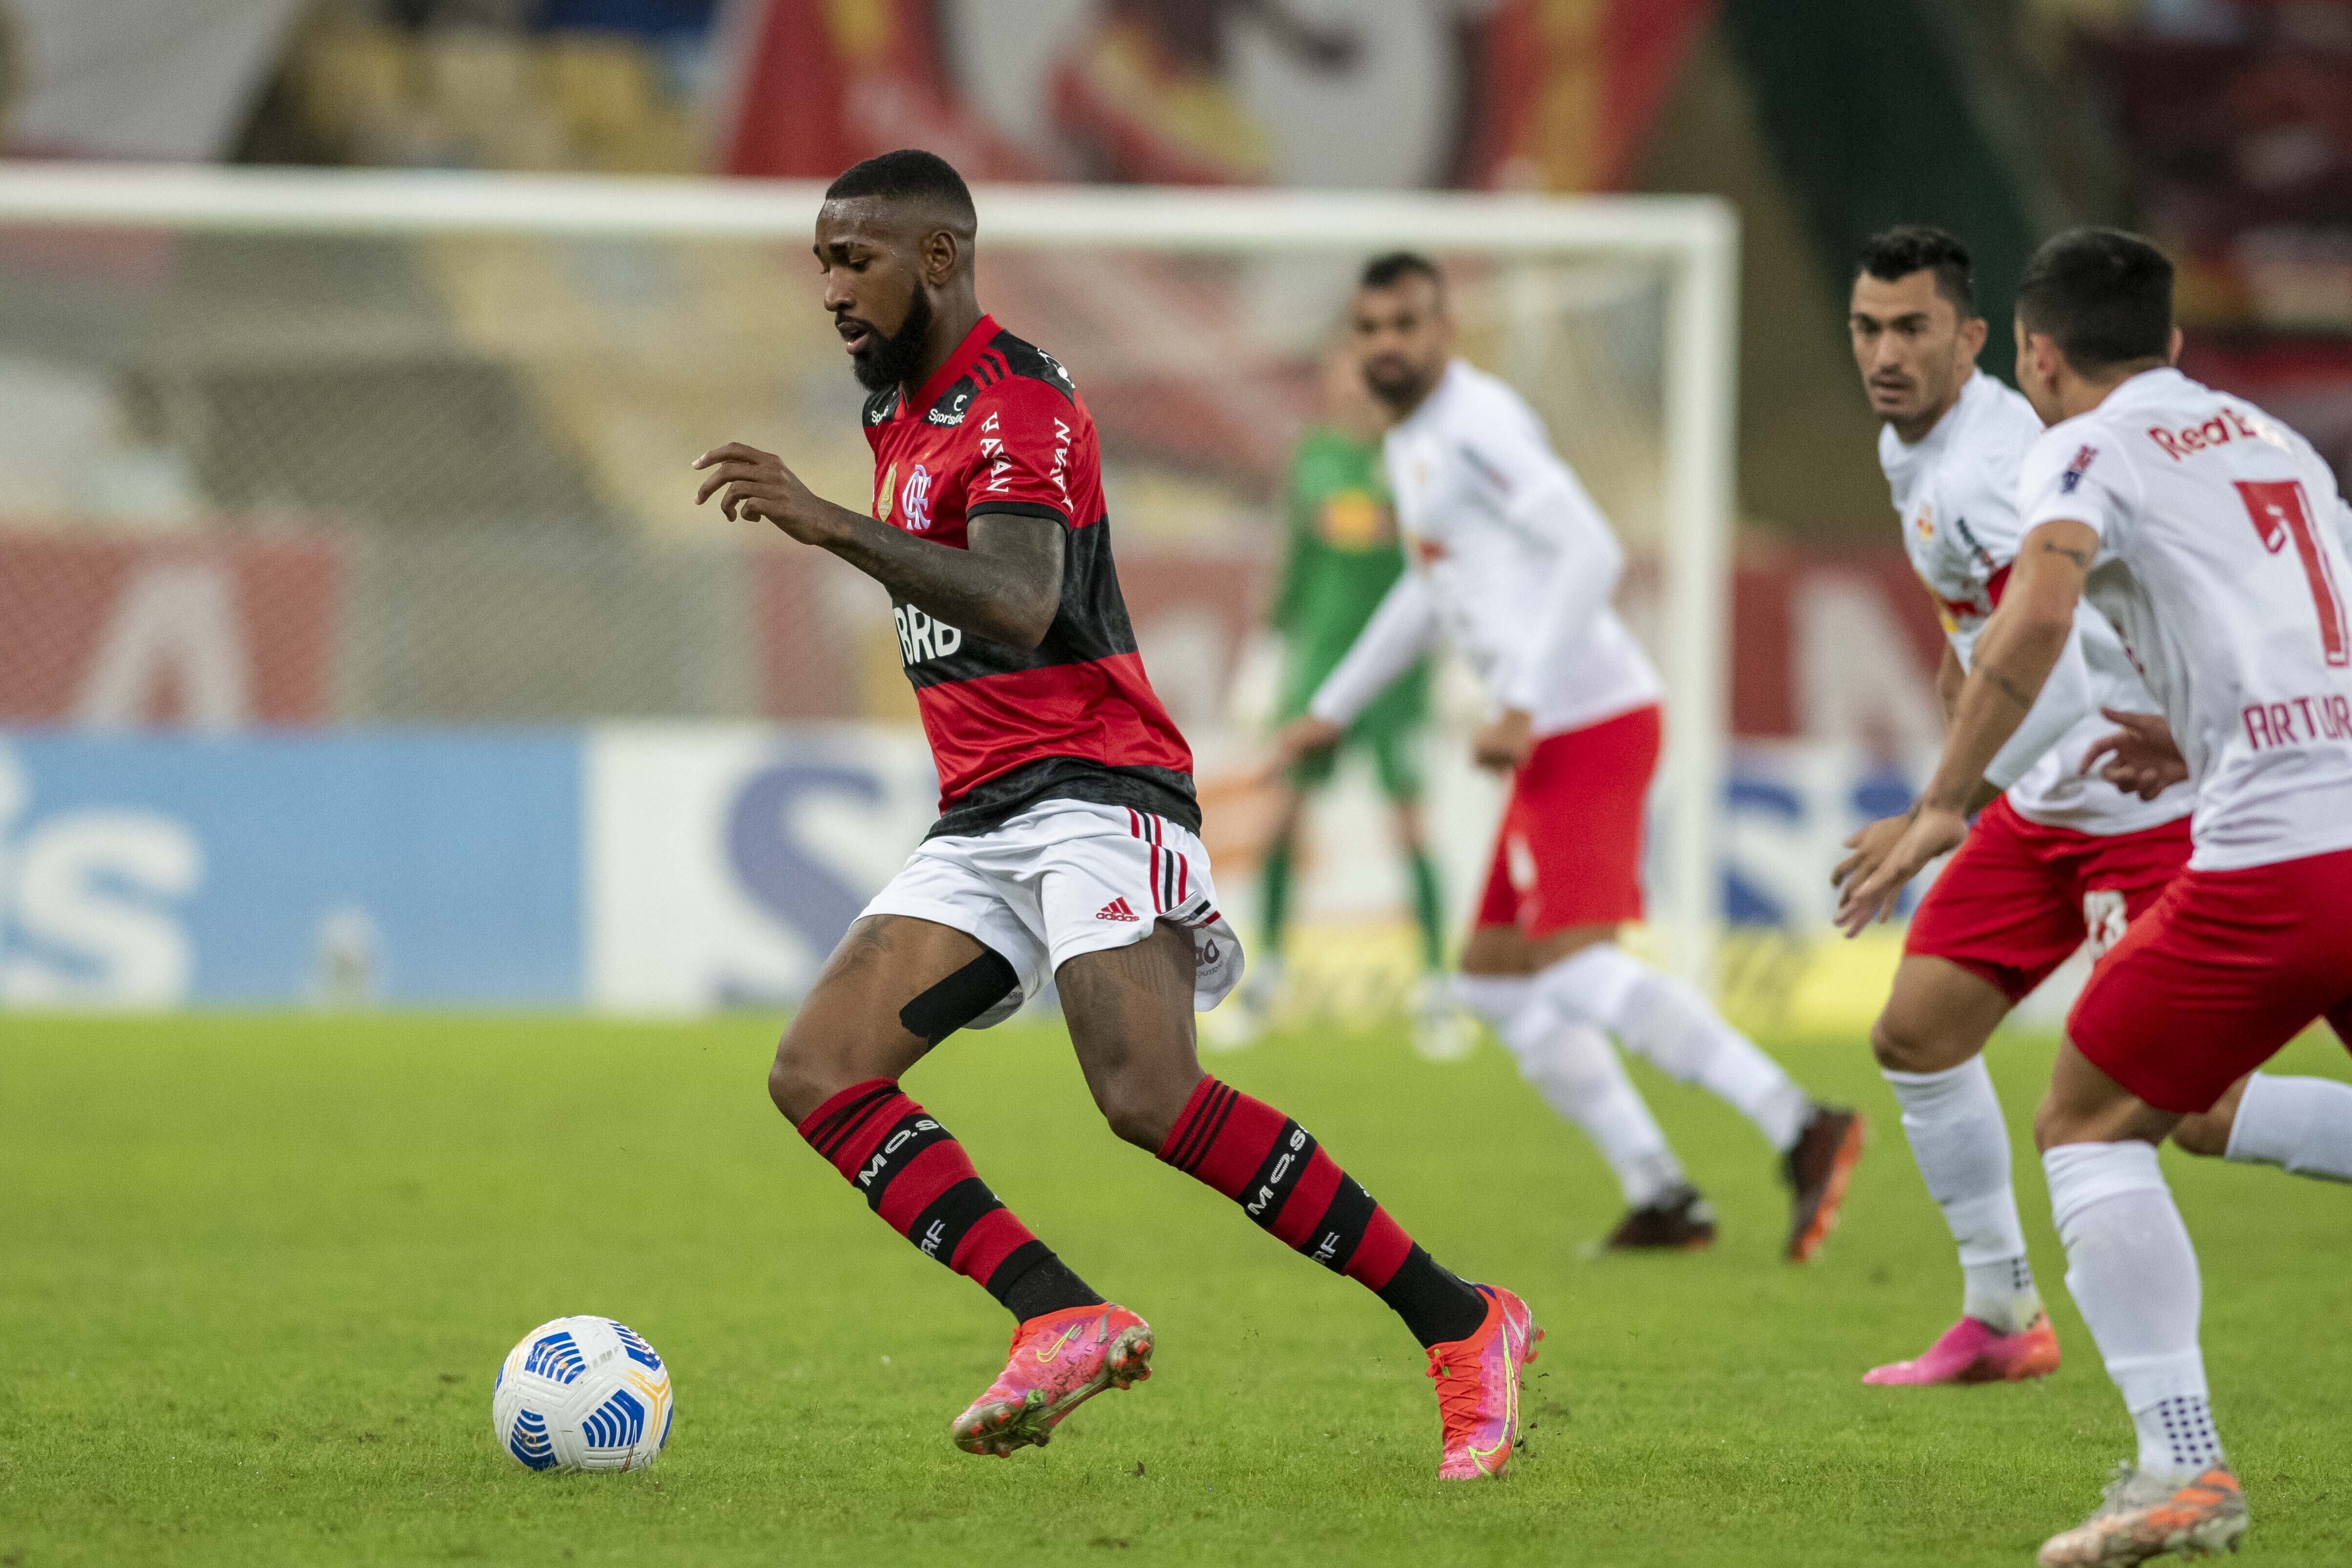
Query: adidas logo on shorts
<point x="1116" y="910"/>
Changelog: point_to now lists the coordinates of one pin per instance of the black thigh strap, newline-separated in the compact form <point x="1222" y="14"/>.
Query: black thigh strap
<point x="960" y="998"/>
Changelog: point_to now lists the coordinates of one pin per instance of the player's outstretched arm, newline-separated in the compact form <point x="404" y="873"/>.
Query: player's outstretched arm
<point x="1401" y="632"/>
<point x="1004" y="585"/>
<point x="2019" y="645"/>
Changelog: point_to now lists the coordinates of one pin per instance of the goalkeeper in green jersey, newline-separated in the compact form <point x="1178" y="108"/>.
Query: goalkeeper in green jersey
<point x="1342" y="557"/>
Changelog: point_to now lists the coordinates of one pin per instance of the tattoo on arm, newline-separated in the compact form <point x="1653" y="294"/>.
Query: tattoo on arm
<point x="2081" y="558"/>
<point x="2009" y="689"/>
<point x="1006" y="587"/>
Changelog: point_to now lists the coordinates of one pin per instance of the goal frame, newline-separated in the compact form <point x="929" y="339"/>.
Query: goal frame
<point x="1694" y="240"/>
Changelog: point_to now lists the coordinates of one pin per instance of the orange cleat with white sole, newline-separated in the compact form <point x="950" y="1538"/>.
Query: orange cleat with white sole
<point x="2140" y="1517"/>
<point x="1060" y="1361"/>
<point x="1478" y="1388"/>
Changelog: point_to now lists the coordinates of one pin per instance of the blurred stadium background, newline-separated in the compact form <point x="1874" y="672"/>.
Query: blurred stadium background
<point x="359" y="642"/>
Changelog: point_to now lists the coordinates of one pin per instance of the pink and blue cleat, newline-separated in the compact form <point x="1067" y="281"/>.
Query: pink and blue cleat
<point x="1060" y="1361"/>
<point x="1972" y="1351"/>
<point x="1478" y="1388"/>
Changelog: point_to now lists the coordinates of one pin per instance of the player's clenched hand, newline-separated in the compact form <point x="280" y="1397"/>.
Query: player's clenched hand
<point x="1504" y="741"/>
<point x="752" y="483"/>
<point x="2142" y="757"/>
<point x="1931" y="831"/>
<point x="1296" y="741"/>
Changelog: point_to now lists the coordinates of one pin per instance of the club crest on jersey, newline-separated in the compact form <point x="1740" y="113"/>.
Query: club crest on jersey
<point x="915" y="500"/>
<point x="2076" y="470"/>
<point x="1925" y="524"/>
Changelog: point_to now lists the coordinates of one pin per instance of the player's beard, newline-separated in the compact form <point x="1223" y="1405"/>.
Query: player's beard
<point x="893" y="361"/>
<point x="1400" y="390"/>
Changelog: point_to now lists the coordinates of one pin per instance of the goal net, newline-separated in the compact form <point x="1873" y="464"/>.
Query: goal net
<point x="398" y="449"/>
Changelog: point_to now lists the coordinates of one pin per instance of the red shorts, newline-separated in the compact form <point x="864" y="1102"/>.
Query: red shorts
<point x="1570" y="852"/>
<point x="2019" y="897"/>
<point x="2224" y="969"/>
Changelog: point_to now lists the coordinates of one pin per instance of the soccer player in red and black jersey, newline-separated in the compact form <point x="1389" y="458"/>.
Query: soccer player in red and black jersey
<point x="1066" y="844"/>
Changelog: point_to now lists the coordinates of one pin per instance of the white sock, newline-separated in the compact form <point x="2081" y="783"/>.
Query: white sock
<point x="1672" y="1024"/>
<point x="2131" y="1269"/>
<point x="1954" y="1122"/>
<point x="1497" y="998"/>
<point x="2304" y="1124"/>
<point x="1576" y="1070"/>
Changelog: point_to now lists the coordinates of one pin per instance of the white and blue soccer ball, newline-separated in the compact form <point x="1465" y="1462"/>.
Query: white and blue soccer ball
<point x="582" y="1394"/>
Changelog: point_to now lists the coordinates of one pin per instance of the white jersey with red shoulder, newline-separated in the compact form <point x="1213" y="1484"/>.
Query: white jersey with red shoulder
<point x="1955" y="493"/>
<point x="1489" y="513"/>
<point x="2223" y="566"/>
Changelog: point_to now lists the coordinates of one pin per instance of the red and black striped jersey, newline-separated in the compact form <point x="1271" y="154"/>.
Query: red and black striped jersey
<point x="1000" y="428"/>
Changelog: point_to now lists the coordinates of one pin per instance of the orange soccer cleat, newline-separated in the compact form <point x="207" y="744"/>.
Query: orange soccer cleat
<point x="1060" y="1361"/>
<point x="1817" y="1171"/>
<point x="1478" y="1388"/>
<point x="2140" y="1517"/>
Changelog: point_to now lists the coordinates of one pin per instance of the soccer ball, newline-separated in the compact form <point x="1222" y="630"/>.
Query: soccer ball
<point x="582" y="1394"/>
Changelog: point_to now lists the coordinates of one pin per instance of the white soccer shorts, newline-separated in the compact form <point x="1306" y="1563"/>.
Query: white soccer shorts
<point x="1065" y="878"/>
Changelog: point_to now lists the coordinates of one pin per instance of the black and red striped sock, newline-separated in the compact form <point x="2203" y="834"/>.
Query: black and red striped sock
<point x="1272" y="1167"/>
<point x="915" y="1175"/>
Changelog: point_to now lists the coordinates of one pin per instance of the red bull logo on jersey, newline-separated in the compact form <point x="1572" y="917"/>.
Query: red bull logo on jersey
<point x="2224" y="427"/>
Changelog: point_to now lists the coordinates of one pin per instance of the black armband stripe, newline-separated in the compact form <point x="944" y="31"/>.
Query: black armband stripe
<point x="1020" y="509"/>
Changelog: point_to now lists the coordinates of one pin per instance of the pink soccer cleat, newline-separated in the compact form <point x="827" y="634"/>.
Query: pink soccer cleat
<point x="1971" y="1351"/>
<point x="1478" y="1388"/>
<point x="1060" y="1361"/>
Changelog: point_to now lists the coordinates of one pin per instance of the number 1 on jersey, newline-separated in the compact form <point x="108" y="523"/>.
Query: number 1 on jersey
<point x="2279" y="512"/>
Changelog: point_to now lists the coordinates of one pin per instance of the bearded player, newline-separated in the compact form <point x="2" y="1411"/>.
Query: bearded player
<point x="1511" y="559"/>
<point x="1066" y="844"/>
<point x="2202" y="529"/>
<point x="2057" y="855"/>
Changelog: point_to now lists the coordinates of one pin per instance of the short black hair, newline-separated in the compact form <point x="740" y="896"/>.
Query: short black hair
<point x="1386" y="271"/>
<point x="1896" y="253"/>
<point x="2105" y="297"/>
<point x="910" y="173"/>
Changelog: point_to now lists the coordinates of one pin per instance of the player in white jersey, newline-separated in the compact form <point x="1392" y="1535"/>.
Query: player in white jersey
<point x="2199" y="527"/>
<point x="2058" y="855"/>
<point x="1508" y="557"/>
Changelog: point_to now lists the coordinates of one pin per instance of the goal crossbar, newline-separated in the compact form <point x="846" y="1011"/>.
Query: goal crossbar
<point x="1694" y="240"/>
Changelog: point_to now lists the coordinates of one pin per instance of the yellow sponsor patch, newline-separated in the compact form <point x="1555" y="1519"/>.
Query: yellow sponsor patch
<point x="1353" y="520"/>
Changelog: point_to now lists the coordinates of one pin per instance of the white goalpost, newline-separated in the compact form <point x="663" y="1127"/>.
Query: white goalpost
<point x="1685" y="250"/>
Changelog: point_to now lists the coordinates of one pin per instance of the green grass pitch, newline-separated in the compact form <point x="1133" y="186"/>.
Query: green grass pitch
<point x="256" y="1275"/>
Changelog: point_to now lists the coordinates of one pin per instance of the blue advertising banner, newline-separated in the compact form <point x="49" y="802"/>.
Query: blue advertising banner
<point x="415" y="867"/>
